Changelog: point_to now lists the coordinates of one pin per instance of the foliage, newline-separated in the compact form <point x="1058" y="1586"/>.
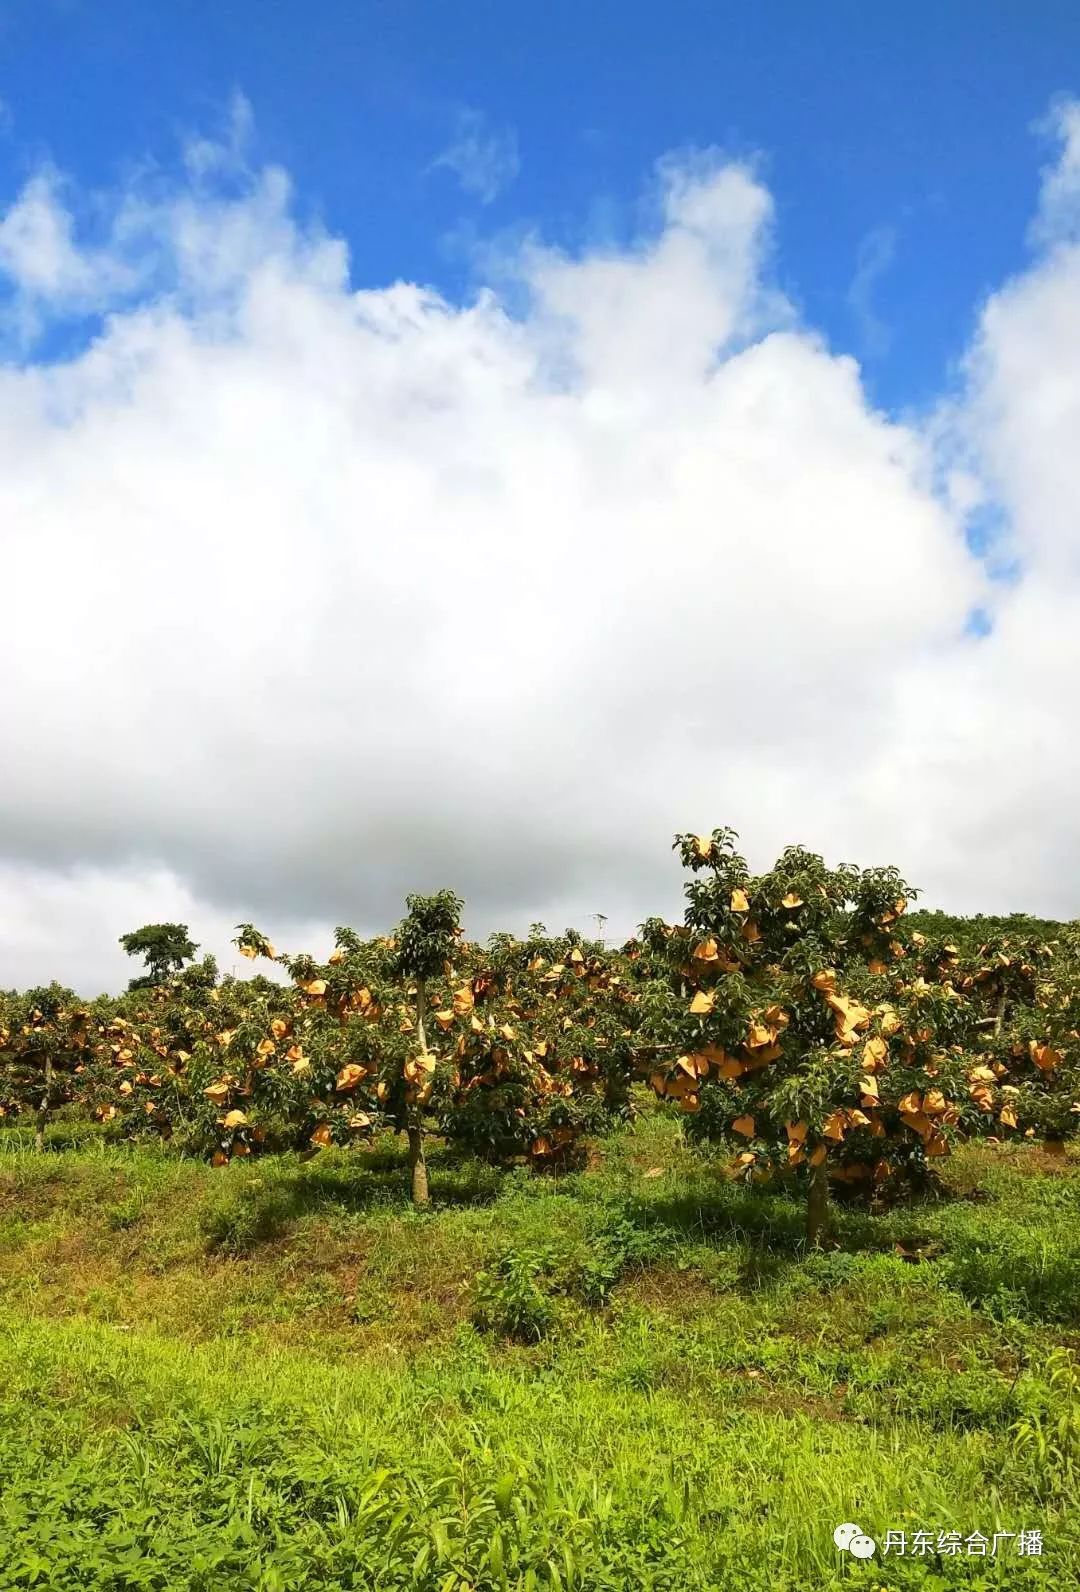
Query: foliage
<point x="1048" y="1438"/>
<point x="165" y="948"/>
<point x="510" y="1298"/>
<point x="800" y="1012"/>
<point x="794" y="1010"/>
<point x="46" y="1046"/>
<point x="243" y="1216"/>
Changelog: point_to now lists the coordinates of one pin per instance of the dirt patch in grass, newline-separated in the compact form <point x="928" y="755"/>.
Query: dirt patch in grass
<point x="973" y="1166"/>
<point x="669" y="1289"/>
<point x="762" y="1395"/>
<point x="30" y="1199"/>
<point x="1038" y="1161"/>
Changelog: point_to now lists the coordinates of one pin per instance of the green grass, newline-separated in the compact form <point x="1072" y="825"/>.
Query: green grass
<point x="279" y="1376"/>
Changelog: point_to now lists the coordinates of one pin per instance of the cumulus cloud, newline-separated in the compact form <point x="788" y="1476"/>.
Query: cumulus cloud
<point x="484" y="159"/>
<point x="69" y="921"/>
<point x="317" y="596"/>
<point x="997" y="764"/>
<point x="44" y="270"/>
<point x="875" y="255"/>
<point x="228" y="155"/>
<point x="1058" y="217"/>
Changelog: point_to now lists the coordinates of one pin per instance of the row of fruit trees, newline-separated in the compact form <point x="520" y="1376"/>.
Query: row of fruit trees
<point x="796" y="1015"/>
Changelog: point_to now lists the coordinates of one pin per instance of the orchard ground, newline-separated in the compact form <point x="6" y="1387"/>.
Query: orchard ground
<point x="278" y="1374"/>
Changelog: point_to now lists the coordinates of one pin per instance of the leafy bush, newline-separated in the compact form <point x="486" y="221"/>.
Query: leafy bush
<point x="620" y="1246"/>
<point x="510" y="1299"/>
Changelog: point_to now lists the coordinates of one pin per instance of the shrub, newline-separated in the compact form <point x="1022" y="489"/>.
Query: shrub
<point x="510" y="1299"/>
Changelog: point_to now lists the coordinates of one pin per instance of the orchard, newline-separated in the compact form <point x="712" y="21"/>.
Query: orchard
<point x="798" y="1016"/>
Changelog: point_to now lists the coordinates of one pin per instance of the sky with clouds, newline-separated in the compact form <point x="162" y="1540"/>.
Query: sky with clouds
<point x="327" y="581"/>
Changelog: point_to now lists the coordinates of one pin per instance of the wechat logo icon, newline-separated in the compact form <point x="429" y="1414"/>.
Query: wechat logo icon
<point x="852" y="1539"/>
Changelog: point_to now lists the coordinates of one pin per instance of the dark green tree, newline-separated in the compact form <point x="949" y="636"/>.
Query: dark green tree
<point x="44" y="1040"/>
<point x="800" y="1030"/>
<point x="425" y="942"/>
<point x="165" y="947"/>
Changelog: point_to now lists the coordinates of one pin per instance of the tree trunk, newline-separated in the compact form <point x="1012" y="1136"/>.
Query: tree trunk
<point x="417" y="1164"/>
<point x="999" y="1016"/>
<point x="43" y="1108"/>
<point x="817" y="1205"/>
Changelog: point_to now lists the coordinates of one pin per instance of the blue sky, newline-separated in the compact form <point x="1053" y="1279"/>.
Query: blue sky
<point x="897" y="141"/>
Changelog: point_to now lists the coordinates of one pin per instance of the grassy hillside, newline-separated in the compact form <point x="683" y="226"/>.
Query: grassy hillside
<point x="281" y="1376"/>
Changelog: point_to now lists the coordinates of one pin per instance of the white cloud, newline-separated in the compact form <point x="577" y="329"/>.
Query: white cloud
<point x="46" y="270"/>
<point x="71" y="920"/>
<point x="1058" y="217"/>
<point x="875" y="255"/>
<point x="213" y="157"/>
<point x="184" y="249"/>
<point x="322" y="596"/>
<point x="997" y="761"/>
<point x="484" y="158"/>
<point x="690" y="294"/>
